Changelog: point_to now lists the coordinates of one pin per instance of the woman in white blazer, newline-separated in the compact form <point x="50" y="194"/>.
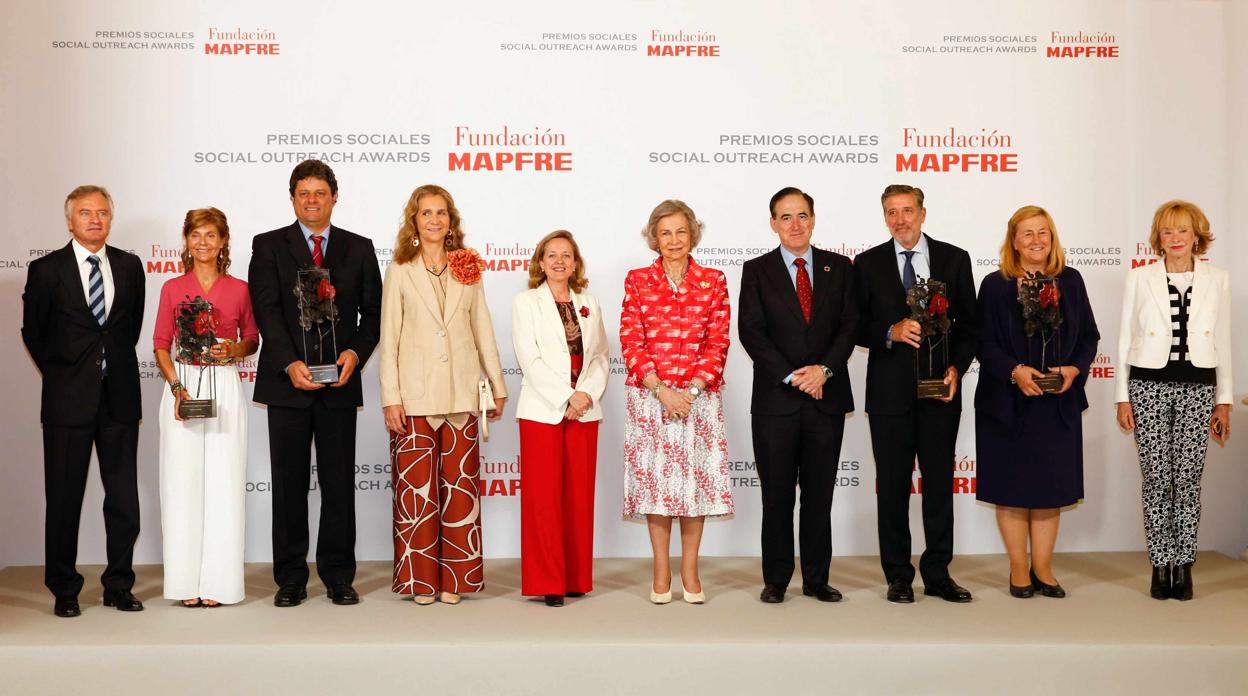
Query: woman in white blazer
<point x="437" y="344"/>
<point x="561" y="346"/>
<point x="1175" y="388"/>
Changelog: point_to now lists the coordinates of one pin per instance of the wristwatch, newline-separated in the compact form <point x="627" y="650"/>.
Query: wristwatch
<point x="694" y="391"/>
<point x="827" y="371"/>
<point x="657" y="387"/>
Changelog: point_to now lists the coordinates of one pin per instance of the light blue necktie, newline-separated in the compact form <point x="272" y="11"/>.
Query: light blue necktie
<point x="907" y="275"/>
<point x="95" y="300"/>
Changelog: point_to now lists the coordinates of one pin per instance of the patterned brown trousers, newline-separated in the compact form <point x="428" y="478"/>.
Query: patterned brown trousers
<point x="437" y="508"/>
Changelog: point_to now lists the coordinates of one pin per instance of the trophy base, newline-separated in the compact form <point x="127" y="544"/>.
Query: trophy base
<point x="324" y="374"/>
<point x="197" y="408"/>
<point x="1048" y="383"/>
<point x="932" y="389"/>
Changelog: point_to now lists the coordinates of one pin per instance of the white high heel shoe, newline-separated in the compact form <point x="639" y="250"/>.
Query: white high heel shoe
<point x="657" y="598"/>
<point x="423" y="599"/>
<point x="693" y="597"/>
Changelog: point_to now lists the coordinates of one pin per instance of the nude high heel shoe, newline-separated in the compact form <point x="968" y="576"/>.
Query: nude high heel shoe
<point x="657" y="598"/>
<point x="693" y="597"/>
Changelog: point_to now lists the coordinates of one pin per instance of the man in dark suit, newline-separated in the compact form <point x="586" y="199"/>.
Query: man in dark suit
<point x="81" y="316"/>
<point x="798" y="320"/>
<point x="302" y="411"/>
<point x="904" y="426"/>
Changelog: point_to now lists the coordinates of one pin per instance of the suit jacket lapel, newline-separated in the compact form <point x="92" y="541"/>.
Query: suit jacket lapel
<point x="777" y="273"/>
<point x="121" y="284"/>
<point x="1159" y="288"/>
<point x="298" y="247"/>
<point x="70" y="276"/>
<point x="821" y="277"/>
<point x="414" y="271"/>
<point x="335" y="252"/>
<point x="454" y="294"/>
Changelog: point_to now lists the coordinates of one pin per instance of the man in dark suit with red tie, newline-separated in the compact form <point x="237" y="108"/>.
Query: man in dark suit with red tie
<point x="798" y="319"/>
<point x="82" y="312"/>
<point x="904" y="426"/>
<point x="302" y="411"/>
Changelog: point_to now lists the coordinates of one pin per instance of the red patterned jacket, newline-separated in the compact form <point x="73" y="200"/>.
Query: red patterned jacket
<point x="679" y="335"/>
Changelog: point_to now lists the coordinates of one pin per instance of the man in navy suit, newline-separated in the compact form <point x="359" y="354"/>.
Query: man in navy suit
<point x="302" y="411"/>
<point x="904" y="426"/>
<point x="798" y="320"/>
<point x="82" y="311"/>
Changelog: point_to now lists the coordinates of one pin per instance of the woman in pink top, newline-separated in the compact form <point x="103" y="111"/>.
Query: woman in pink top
<point x="204" y="323"/>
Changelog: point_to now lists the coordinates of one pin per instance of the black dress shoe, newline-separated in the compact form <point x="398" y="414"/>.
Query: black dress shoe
<point x="343" y="594"/>
<point x="576" y="594"/>
<point x="554" y="600"/>
<point x="1160" y="587"/>
<point x="1046" y="589"/>
<point x="900" y="592"/>
<point x="67" y="607"/>
<point x="123" y="600"/>
<point x="290" y="595"/>
<point x="772" y="594"/>
<point x="823" y="593"/>
<point x="1181" y="589"/>
<point x="947" y="590"/>
<point x="1022" y="592"/>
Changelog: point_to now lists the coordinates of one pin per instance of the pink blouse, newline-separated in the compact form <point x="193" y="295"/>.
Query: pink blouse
<point x="231" y="304"/>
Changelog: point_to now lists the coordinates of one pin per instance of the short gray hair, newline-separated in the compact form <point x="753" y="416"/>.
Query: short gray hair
<point x="84" y="191"/>
<point x="672" y="207"/>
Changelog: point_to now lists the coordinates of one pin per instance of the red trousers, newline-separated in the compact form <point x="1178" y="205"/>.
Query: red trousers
<point x="557" y="465"/>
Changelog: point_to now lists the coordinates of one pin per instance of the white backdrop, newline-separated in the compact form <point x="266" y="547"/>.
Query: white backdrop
<point x="1105" y="109"/>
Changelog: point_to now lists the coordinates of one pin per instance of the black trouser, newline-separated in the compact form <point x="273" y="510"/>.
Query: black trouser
<point x="292" y="432"/>
<point x="928" y="431"/>
<point x="799" y="449"/>
<point x="66" y="460"/>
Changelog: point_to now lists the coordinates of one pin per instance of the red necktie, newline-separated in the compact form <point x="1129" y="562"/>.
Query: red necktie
<point x="804" y="293"/>
<point x="317" y="257"/>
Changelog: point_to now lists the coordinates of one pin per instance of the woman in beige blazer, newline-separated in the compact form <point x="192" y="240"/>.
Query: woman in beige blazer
<point x="1174" y="389"/>
<point x="437" y="344"/>
<point x="561" y="346"/>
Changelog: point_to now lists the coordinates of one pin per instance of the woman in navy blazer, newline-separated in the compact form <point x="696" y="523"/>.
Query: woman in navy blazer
<point x="1029" y="444"/>
<point x="1174" y="388"/>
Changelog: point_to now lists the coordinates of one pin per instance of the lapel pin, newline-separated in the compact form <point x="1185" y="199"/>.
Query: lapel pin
<point x="827" y="269"/>
<point x="704" y="285"/>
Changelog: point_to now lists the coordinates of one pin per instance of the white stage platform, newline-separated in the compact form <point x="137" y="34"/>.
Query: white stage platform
<point x="1107" y="637"/>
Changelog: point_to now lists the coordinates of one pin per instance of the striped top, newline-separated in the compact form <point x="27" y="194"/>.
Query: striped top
<point x="1180" y="367"/>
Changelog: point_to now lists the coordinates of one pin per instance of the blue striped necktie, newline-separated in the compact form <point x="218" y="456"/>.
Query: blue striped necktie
<point x="95" y="300"/>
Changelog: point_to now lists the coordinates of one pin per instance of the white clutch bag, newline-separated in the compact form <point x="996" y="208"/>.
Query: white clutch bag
<point x="485" y="399"/>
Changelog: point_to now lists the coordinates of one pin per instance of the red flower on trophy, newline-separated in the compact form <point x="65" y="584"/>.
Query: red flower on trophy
<point x="937" y="305"/>
<point x="585" y="311"/>
<point x="205" y="322"/>
<point x="466" y="266"/>
<point x="325" y="291"/>
<point x="1049" y="295"/>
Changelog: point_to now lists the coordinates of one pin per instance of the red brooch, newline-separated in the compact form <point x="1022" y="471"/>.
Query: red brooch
<point x="585" y="311"/>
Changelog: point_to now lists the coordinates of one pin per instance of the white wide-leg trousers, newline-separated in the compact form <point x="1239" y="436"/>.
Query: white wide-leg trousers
<point x="203" y="477"/>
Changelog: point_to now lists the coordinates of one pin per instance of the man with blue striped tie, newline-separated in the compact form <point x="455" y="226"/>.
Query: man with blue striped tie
<point x="81" y="317"/>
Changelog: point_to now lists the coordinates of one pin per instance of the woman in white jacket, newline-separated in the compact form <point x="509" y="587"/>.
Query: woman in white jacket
<point x="1175" y="390"/>
<point x="561" y="346"/>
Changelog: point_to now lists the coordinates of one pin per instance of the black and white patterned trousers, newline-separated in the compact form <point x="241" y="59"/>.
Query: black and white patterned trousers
<point x="1172" y="436"/>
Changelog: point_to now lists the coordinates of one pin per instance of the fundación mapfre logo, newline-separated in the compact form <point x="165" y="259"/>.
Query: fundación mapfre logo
<point x="241" y="42"/>
<point x="1080" y="45"/>
<point x="663" y="43"/>
<point x="949" y="149"/>
<point x="499" y="149"/>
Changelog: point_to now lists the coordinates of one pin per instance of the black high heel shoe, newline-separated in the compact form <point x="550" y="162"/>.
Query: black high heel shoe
<point x="1160" y="587"/>
<point x="1181" y="589"/>
<point x="1046" y="589"/>
<point x="1022" y="592"/>
<point x="554" y="600"/>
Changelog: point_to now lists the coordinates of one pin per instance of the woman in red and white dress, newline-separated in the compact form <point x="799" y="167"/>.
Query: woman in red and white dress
<point x="674" y="336"/>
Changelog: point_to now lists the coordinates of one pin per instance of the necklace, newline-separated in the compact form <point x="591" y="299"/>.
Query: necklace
<point x="437" y="272"/>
